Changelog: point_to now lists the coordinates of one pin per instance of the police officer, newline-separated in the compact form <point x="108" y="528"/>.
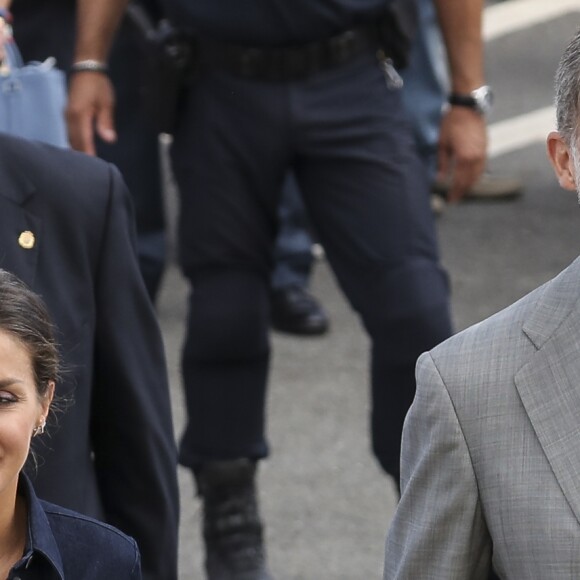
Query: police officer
<point x="308" y="86"/>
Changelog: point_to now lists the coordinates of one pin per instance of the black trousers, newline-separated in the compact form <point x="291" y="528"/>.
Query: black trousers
<point x="136" y="154"/>
<point x="344" y="133"/>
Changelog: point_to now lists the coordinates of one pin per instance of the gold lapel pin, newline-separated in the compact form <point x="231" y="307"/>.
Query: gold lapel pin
<point x="26" y="240"/>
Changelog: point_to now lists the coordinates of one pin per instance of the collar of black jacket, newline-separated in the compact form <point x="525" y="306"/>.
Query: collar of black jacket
<point x="41" y="555"/>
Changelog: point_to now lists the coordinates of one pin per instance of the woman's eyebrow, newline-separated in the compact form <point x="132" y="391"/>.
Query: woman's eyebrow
<point x="8" y="381"/>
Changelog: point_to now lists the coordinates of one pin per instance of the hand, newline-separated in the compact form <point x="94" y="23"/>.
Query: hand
<point x="462" y="150"/>
<point x="90" y="108"/>
<point x="5" y="37"/>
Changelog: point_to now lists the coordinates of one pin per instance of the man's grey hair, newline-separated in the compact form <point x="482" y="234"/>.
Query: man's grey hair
<point x="568" y="92"/>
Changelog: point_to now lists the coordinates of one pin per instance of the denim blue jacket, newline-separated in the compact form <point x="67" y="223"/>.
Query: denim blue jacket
<point x="64" y="545"/>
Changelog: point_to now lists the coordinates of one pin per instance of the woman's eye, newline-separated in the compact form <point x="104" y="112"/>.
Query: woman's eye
<point x="7" y="398"/>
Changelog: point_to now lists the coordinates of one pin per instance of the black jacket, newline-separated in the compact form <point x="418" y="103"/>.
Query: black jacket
<point x="112" y="455"/>
<point x="65" y="545"/>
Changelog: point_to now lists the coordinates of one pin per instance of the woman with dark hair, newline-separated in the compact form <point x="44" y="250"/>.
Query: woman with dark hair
<point x="39" y="540"/>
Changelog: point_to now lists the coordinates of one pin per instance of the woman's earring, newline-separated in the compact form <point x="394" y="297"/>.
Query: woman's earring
<point x="39" y="430"/>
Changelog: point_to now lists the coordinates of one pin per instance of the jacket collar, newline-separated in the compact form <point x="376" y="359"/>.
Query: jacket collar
<point x="40" y="542"/>
<point x="549" y="383"/>
<point x="558" y="298"/>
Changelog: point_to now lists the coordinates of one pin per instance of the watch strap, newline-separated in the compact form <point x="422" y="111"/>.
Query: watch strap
<point x="462" y="100"/>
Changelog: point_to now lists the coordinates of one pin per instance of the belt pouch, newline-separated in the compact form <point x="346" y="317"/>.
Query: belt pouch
<point x="167" y="67"/>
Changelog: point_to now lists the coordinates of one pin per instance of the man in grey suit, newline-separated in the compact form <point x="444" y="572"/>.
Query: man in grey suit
<point x="491" y="446"/>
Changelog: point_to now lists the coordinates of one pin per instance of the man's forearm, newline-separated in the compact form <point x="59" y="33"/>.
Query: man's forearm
<point x="460" y="22"/>
<point x="97" y="22"/>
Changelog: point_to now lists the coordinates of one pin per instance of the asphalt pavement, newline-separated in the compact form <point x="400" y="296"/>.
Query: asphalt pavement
<point x="325" y="502"/>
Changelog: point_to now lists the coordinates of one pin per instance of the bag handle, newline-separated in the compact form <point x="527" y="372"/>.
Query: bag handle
<point x="12" y="58"/>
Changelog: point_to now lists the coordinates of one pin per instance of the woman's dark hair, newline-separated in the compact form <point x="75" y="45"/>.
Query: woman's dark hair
<point x="23" y="315"/>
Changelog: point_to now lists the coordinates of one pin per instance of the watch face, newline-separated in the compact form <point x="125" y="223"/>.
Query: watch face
<point x="484" y="99"/>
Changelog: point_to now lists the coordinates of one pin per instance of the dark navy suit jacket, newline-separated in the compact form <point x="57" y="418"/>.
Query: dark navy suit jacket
<point x="112" y="455"/>
<point x="65" y="545"/>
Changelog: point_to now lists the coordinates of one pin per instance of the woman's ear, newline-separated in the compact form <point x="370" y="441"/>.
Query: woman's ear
<point x="47" y="399"/>
<point x="562" y="161"/>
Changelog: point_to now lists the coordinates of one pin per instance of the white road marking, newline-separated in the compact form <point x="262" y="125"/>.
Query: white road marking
<point x="503" y="19"/>
<point x="506" y="17"/>
<point x="518" y="132"/>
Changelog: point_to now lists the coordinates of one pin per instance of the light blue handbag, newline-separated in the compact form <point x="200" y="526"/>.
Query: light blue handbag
<point x="32" y="99"/>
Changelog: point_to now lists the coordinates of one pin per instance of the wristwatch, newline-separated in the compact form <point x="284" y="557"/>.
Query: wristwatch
<point x="479" y="100"/>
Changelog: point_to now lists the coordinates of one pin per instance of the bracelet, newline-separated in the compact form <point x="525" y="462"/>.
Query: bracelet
<point x="89" y="65"/>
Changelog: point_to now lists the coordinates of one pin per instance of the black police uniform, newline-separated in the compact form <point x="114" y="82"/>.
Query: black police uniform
<point x="297" y="86"/>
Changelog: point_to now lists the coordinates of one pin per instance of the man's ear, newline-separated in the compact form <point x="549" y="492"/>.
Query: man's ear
<point x="561" y="158"/>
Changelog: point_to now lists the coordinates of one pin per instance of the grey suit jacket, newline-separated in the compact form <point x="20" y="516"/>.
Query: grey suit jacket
<point x="491" y="448"/>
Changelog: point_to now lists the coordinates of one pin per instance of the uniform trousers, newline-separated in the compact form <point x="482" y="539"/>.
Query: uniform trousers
<point x="345" y="135"/>
<point x="137" y="155"/>
<point x="293" y="249"/>
<point x="426" y="84"/>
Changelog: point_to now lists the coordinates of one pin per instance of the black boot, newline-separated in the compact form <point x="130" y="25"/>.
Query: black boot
<point x="296" y="311"/>
<point x="232" y="529"/>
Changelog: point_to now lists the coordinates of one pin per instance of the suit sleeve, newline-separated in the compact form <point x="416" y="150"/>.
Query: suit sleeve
<point x="133" y="440"/>
<point x="438" y="530"/>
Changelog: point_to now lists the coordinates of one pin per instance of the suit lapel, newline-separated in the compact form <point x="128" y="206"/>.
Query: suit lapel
<point x="17" y="254"/>
<point x="549" y="385"/>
